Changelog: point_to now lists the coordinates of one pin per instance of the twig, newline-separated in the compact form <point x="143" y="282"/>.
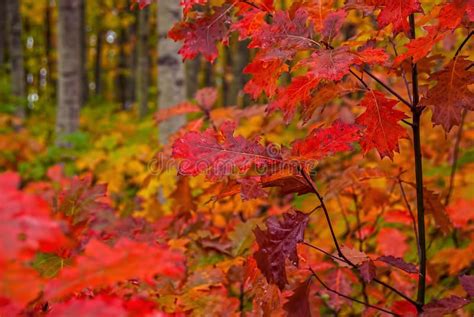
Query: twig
<point x="384" y="85"/>
<point x="412" y="215"/>
<point x="462" y="44"/>
<point x="349" y="297"/>
<point x="360" y="79"/>
<point x="323" y="206"/>
<point x="418" y="175"/>
<point x="454" y="165"/>
<point x="402" y="71"/>
<point x="375" y="280"/>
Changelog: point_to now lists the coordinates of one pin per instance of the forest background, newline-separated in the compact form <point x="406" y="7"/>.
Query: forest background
<point x="152" y="160"/>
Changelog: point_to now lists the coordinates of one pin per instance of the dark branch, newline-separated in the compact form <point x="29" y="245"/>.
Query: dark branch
<point x="462" y="44"/>
<point x="348" y="297"/>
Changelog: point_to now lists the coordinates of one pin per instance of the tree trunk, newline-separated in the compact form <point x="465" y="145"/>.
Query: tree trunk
<point x="98" y="61"/>
<point x="84" y="46"/>
<point x="192" y="77"/>
<point x="3" y="33"/>
<point x="122" y="69"/>
<point x="171" y="89"/>
<point x="48" y="39"/>
<point x="70" y="69"/>
<point x="143" y="63"/>
<point x="16" y="56"/>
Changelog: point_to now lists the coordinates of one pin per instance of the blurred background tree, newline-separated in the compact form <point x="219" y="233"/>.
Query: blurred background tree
<point x="57" y="57"/>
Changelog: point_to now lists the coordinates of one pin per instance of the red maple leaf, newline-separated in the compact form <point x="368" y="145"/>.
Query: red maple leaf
<point x="381" y="121"/>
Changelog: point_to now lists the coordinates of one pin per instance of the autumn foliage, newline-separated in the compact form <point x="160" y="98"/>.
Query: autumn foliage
<point x="345" y="189"/>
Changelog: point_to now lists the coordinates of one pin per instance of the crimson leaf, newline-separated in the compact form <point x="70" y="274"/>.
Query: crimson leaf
<point x="278" y="243"/>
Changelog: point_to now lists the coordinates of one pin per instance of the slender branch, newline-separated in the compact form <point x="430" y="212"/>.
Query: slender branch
<point x="462" y="44"/>
<point x="412" y="215"/>
<point x="360" y="79"/>
<point x="417" y="111"/>
<point x="402" y="71"/>
<point x="323" y="206"/>
<point x="359" y="226"/>
<point x="454" y="165"/>
<point x="388" y="88"/>
<point x="375" y="280"/>
<point x="349" y="297"/>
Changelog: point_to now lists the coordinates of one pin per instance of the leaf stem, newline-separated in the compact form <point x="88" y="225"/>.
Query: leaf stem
<point x="417" y="112"/>
<point x="349" y="297"/>
<point x="375" y="280"/>
<point x="412" y="215"/>
<point x="462" y="44"/>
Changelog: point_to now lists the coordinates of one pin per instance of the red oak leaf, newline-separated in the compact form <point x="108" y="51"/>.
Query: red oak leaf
<point x="284" y="37"/>
<point x="434" y="206"/>
<point x="298" y="303"/>
<point x="398" y="263"/>
<point x="461" y="212"/>
<point x="391" y="241"/>
<point x="325" y="142"/>
<point x="102" y="265"/>
<point x="18" y="282"/>
<point x="177" y="110"/>
<point x="25" y="221"/>
<point x="381" y="121"/>
<point x="251" y="188"/>
<point x="251" y="21"/>
<point x="206" y="97"/>
<point x="220" y="153"/>
<point x="396" y="12"/>
<point x="82" y="200"/>
<point x="332" y="24"/>
<point x="334" y="64"/>
<point x="202" y="34"/>
<point x="451" y="14"/>
<point x="101" y="306"/>
<point x="467" y="282"/>
<point x="444" y="306"/>
<point x="265" y="75"/>
<point x="298" y="91"/>
<point x="339" y="282"/>
<point x="188" y="4"/>
<point x="404" y="308"/>
<point x="367" y="271"/>
<point x="451" y="94"/>
<point x="278" y="243"/>
<point x="421" y="46"/>
<point x="287" y="181"/>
